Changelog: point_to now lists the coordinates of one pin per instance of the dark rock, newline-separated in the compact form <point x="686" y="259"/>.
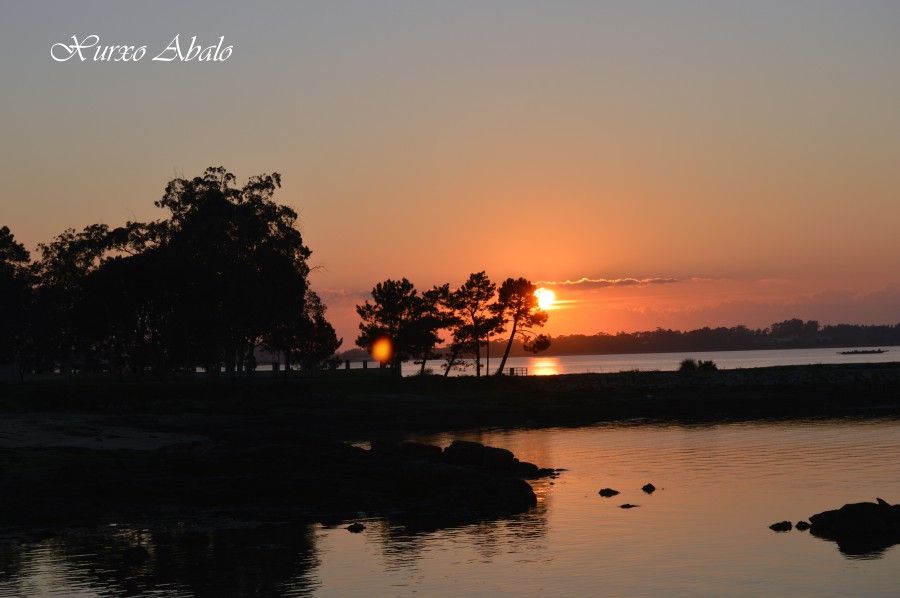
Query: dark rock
<point x="864" y="528"/>
<point x="648" y="488"/>
<point x="498" y="459"/>
<point x="782" y="526"/>
<point x="607" y="492"/>
<point x="443" y="486"/>
<point x="628" y="506"/>
<point x="527" y="470"/>
<point x="803" y="525"/>
<point x="356" y="527"/>
<point x="406" y="451"/>
<point x="464" y="452"/>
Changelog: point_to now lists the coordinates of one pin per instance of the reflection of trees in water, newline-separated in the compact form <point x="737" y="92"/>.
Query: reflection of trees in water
<point x="269" y="560"/>
<point x="10" y="559"/>
<point x="402" y="546"/>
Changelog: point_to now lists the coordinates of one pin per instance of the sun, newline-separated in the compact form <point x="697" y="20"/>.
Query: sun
<point x="546" y="298"/>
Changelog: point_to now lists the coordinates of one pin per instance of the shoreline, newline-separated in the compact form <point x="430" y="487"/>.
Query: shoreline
<point x="278" y="449"/>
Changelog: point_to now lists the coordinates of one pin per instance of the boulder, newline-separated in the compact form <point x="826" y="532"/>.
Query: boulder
<point x="498" y="459"/>
<point x="648" y="488"/>
<point x="406" y="451"/>
<point x="782" y="526"/>
<point x="864" y="528"/>
<point x="862" y="518"/>
<point x="607" y="492"/>
<point x="802" y="526"/>
<point x="465" y="453"/>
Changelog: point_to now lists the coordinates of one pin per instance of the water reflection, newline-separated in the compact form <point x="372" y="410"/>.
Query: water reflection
<point x="546" y="366"/>
<point x="268" y="560"/>
<point x="402" y="546"/>
<point x="703" y="532"/>
<point x="863" y="547"/>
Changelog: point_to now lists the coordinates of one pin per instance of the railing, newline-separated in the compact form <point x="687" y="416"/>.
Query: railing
<point x="518" y="371"/>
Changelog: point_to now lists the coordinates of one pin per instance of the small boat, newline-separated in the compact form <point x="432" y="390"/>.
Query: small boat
<point x="864" y="352"/>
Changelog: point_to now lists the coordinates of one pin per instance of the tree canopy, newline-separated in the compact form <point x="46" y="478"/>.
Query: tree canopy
<point x="470" y="315"/>
<point x="226" y="272"/>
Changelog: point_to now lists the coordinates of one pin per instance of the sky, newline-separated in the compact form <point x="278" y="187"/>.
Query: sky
<point x="656" y="164"/>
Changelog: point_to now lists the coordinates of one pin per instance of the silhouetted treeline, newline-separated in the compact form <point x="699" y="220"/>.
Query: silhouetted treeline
<point x="789" y="334"/>
<point x="401" y="324"/>
<point x="225" y="273"/>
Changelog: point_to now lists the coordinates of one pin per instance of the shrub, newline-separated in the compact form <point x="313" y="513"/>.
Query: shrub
<point x="688" y="365"/>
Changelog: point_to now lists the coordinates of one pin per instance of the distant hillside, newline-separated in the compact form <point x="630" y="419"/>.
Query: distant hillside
<point x="790" y="334"/>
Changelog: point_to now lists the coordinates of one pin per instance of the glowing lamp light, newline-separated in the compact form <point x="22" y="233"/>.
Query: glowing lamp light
<point x="382" y="350"/>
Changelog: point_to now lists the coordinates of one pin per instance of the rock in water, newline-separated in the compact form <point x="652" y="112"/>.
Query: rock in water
<point x="648" y="488"/>
<point x="802" y="526"/>
<point x="628" y="506"/>
<point x="859" y="528"/>
<point x="782" y="526"/>
<point x="607" y="492"/>
<point x="356" y="527"/>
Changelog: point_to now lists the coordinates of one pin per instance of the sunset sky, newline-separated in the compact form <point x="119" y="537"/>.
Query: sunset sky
<point x="672" y="164"/>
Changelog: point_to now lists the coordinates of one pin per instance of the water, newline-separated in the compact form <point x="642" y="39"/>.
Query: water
<point x="704" y="532"/>
<point x="580" y="364"/>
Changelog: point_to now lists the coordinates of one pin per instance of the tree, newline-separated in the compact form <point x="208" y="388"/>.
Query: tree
<point x="392" y="315"/>
<point x="246" y="259"/>
<point x="409" y="320"/>
<point x="204" y="286"/>
<point x="15" y="296"/>
<point x="60" y="276"/>
<point x="309" y="339"/>
<point x="436" y="315"/>
<point x="477" y="319"/>
<point x="518" y="305"/>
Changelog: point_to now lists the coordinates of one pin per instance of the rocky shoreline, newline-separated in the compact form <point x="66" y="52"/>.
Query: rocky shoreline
<point x="275" y="450"/>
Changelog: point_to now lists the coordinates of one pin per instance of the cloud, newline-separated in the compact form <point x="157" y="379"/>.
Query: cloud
<point x="602" y="283"/>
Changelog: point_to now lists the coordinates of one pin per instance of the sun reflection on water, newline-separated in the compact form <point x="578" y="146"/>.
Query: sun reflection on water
<point x="546" y="366"/>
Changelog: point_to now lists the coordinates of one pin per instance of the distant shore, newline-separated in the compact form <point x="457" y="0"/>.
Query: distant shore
<point x="84" y="451"/>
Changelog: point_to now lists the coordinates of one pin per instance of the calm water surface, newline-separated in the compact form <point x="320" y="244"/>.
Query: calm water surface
<point x="727" y="360"/>
<point x="703" y="533"/>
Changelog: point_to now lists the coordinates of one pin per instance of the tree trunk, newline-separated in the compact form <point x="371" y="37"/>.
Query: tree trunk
<point x="508" y="347"/>
<point x="477" y="357"/>
<point x="450" y="361"/>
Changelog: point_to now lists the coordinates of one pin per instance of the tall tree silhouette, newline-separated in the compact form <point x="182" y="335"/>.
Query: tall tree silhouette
<point x="60" y="274"/>
<point x="517" y="305"/>
<point x="397" y="312"/>
<point x="245" y="259"/>
<point x="477" y="319"/>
